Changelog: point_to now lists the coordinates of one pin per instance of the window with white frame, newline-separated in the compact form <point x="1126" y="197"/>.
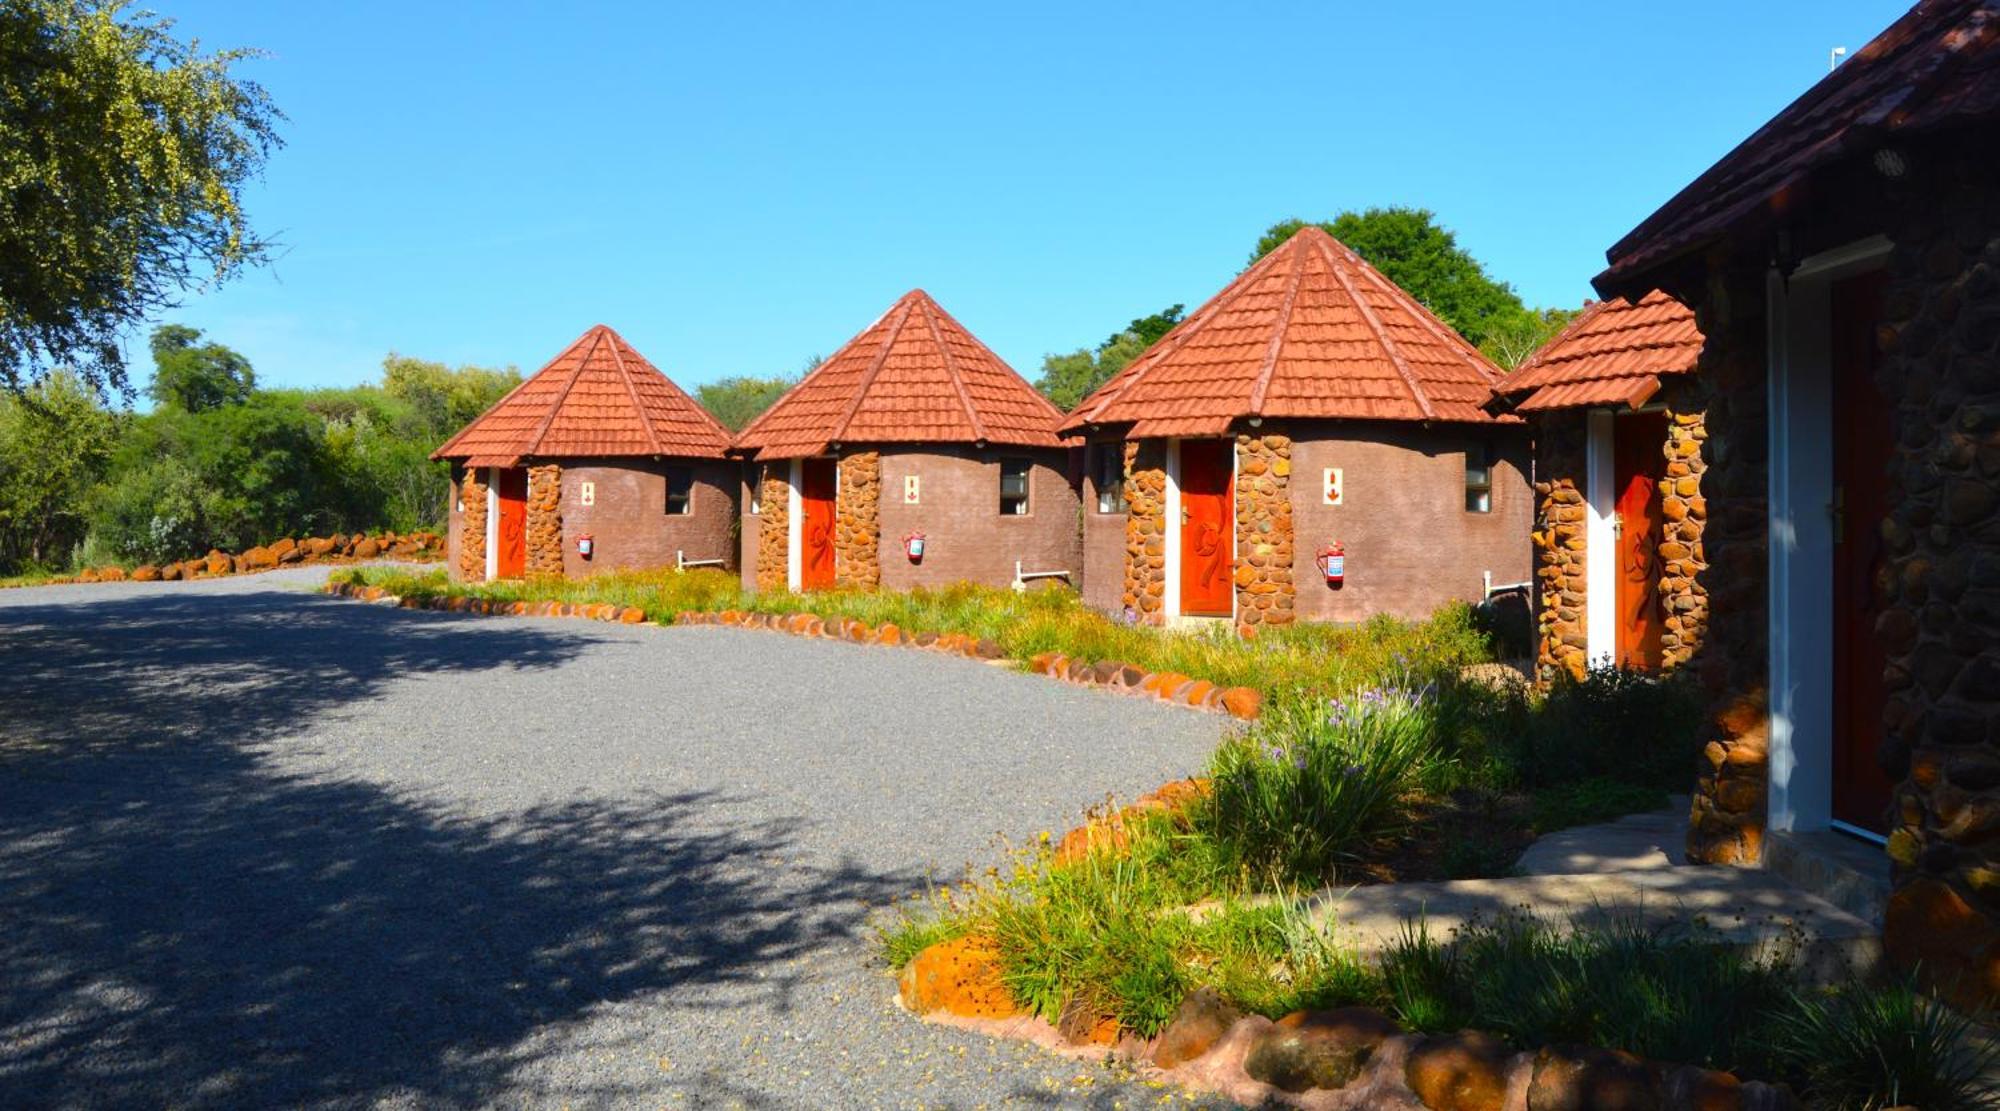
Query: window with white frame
<point x="1014" y="486"/>
<point x="1110" y="477"/>
<point x="1479" y="478"/>
<point x="680" y="491"/>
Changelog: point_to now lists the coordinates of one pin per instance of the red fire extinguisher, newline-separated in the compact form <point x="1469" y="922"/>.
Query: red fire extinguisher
<point x="1332" y="561"/>
<point x="913" y="546"/>
<point x="583" y="545"/>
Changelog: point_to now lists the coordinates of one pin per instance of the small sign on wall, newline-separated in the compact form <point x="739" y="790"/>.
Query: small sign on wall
<point x="909" y="489"/>
<point x="1332" y="490"/>
<point x="587" y="493"/>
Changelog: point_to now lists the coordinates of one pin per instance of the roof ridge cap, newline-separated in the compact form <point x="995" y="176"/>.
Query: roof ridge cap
<point x="874" y="368"/>
<point x="632" y="391"/>
<point x="1180" y="334"/>
<point x="951" y="368"/>
<point x="1270" y="366"/>
<point x="1027" y="387"/>
<point x="1438" y="329"/>
<point x="1388" y="345"/>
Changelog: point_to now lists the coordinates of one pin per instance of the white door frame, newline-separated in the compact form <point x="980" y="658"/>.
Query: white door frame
<point x="1800" y="620"/>
<point x="794" y="527"/>
<point x="1600" y="538"/>
<point x="492" y="523"/>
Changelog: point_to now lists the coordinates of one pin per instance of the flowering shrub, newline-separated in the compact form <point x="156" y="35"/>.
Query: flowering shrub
<point x="1317" y="779"/>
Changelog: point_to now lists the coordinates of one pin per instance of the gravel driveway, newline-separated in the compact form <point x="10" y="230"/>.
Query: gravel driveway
<point x="260" y="846"/>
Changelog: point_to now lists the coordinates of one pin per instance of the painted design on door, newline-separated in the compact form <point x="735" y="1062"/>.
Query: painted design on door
<point x="511" y="554"/>
<point x="1864" y="438"/>
<point x="817" y="490"/>
<point x="1208" y="527"/>
<point x="1639" y="464"/>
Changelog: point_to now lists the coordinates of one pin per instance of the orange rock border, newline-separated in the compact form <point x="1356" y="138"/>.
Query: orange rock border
<point x="1241" y="703"/>
<point x="416" y="547"/>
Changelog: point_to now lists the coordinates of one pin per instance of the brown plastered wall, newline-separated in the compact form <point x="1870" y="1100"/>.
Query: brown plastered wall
<point x="857" y="522"/>
<point x="466" y="531"/>
<point x="1561" y="543"/>
<point x="958" y="510"/>
<point x="1145" y="551"/>
<point x="770" y="528"/>
<point x="1411" y="545"/>
<point x="1266" y="589"/>
<point x="629" y="526"/>
<point x="1103" y="539"/>
<point x="1940" y="366"/>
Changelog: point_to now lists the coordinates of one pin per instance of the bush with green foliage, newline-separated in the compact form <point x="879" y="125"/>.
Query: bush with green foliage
<point x="1857" y="1047"/>
<point x="1613" y="723"/>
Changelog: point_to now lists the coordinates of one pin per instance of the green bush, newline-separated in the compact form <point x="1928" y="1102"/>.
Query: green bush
<point x="1592" y="800"/>
<point x="1861" y="1048"/>
<point x="1612" y="724"/>
<point x="1314" y="781"/>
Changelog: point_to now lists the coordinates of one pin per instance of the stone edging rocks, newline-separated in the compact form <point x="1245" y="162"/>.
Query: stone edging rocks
<point x="1242" y="703"/>
<point x="339" y="548"/>
<point x="1349" y="1057"/>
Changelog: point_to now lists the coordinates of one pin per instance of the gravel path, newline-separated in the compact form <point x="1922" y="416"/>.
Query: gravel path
<point x="259" y="846"/>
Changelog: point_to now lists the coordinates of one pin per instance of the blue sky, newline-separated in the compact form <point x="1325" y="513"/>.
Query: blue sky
<point x="737" y="187"/>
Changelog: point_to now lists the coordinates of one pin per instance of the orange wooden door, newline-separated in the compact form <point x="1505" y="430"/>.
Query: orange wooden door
<point x="1638" y="464"/>
<point x="511" y="558"/>
<point x="1208" y="527"/>
<point x="817" y="489"/>
<point x="1864" y="439"/>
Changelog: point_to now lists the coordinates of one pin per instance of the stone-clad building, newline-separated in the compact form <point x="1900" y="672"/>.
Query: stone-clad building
<point x="598" y="444"/>
<point x="1311" y="403"/>
<point x="914" y="429"/>
<point x="1618" y="505"/>
<point x="1844" y="265"/>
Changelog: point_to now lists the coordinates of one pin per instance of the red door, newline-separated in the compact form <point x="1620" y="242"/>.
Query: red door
<point x="1638" y="464"/>
<point x="816" y="494"/>
<point x="1208" y="527"/>
<point x="511" y="559"/>
<point x="1864" y="438"/>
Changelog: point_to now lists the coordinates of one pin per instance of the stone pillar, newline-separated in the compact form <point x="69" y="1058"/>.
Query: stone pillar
<point x="545" y="533"/>
<point x="1146" y="530"/>
<point x="1684" y="513"/>
<point x="1940" y="368"/>
<point x="857" y="533"/>
<point x="472" y="526"/>
<point x="774" y="537"/>
<point x="1265" y="592"/>
<point x="1731" y="469"/>
<point x="1560" y="536"/>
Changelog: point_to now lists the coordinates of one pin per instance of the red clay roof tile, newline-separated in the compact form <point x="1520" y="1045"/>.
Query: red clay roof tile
<point x="1613" y="353"/>
<point x="1936" y="67"/>
<point x="1310" y="331"/>
<point x="916" y="375"/>
<point x="599" y="398"/>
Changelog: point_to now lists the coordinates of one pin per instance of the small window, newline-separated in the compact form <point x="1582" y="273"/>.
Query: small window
<point x="1014" y="487"/>
<point x="1110" y="478"/>
<point x="757" y="487"/>
<point x="1479" y="478"/>
<point x="680" y="491"/>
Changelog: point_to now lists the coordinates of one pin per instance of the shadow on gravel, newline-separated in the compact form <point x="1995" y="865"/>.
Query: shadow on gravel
<point x="182" y="924"/>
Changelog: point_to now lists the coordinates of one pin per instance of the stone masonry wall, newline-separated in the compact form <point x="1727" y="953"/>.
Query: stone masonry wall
<point x="1684" y="513"/>
<point x="1940" y="366"/>
<point x="472" y="527"/>
<point x="1265" y="592"/>
<point x="1146" y="530"/>
<point x="545" y="530"/>
<point x="1559" y="538"/>
<point x="774" y="537"/>
<point x="857" y="533"/>
<point x="1726" y="824"/>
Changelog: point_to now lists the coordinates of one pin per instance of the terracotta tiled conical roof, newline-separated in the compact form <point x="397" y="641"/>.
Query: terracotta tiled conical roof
<point x="1613" y="353"/>
<point x="914" y="376"/>
<point x="1310" y="331"/>
<point x="598" y="398"/>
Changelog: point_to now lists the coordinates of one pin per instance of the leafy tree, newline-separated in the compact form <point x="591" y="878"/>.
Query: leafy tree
<point x="123" y="156"/>
<point x="197" y="379"/>
<point x="55" y="445"/>
<point x="1410" y="249"/>
<point x="1067" y="379"/>
<point x="444" y="399"/>
<point x="738" y="400"/>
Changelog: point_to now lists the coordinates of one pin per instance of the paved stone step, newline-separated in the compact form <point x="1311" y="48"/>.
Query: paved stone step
<point x="1745" y="906"/>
